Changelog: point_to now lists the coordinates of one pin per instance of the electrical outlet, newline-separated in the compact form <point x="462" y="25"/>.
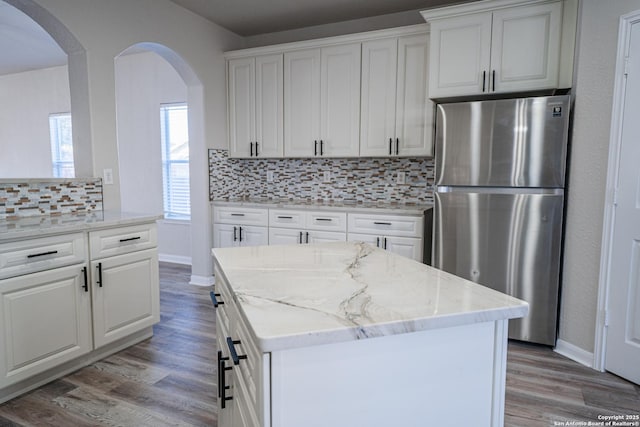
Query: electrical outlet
<point x="326" y="177"/>
<point x="107" y="175"/>
<point x="269" y="176"/>
<point x="401" y="178"/>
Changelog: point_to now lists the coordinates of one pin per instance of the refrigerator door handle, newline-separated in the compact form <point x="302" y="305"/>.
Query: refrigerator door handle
<point x="498" y="190"/>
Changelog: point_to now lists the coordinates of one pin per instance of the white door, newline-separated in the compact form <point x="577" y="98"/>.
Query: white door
<point x="45" y="320"/>
<point x="405" y="246"/>
<point x="269" y="135"/>
<point x="326" y="237"/>
<point x="371" y="239"/>
<point x="242" y="103"/>
<point x="460" y="55"/>
<point x="623" y="333"/>
<point x="414" y="111"/>
<point x="340" y="101"/>
<point x="378" y="98"/>
<point x="126" y="292"/>
<point x="525" y="49"/>
<point x="301" y="102"/>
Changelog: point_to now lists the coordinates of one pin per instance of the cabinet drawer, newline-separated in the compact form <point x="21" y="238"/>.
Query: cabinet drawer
<point x="387" y="225"/>
<point x="122" y="240"/>
<point x="287" y="219"/>
<point x="327" y="221"/>
<point x="249" y="370"/>
<point x="29" y="256"/>
<point x="241" y="216"/>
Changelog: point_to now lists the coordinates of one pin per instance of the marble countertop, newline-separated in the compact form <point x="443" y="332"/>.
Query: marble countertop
<point x="380" y="207"/>
<point x="38" y="226"/>
<point x="304" y="295"/>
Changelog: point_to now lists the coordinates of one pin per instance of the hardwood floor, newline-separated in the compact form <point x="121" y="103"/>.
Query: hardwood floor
<point x="169" y="380"/>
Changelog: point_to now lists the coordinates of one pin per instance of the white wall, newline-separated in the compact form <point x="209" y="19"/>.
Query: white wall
<point x="599" y="22"/>
<point x="26" y="101"/>
<point x="143" y="82"/>
<point x="94" y="34"/>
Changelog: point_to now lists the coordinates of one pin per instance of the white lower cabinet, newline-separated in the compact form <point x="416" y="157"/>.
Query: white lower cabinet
<point x="409" y="247"/>
<point x="227" y="236"/>
<point x="46" y="321"/>
<point x="59" y="312"/>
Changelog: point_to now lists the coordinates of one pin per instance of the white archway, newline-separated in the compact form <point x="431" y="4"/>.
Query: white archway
<point x="202" y="269"/>
<point x="78" y="81"/>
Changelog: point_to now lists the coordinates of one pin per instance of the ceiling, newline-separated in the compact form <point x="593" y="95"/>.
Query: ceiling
<point x="26" y="46"/>
<point x="251" y="17"/>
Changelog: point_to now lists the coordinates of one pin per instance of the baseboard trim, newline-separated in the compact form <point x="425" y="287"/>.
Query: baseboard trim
<point x="175" y="259"/>
<point x="202" y="280"/>
<point x="574" y="353"/>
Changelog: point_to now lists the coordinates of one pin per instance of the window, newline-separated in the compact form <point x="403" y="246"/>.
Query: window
<point x="61" y="145"/>
<point x="175" y="161"/>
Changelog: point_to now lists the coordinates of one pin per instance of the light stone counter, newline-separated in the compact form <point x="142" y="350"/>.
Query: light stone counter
<point x="386" y="208"/>
<point x="306" y="295"/>
<point x="39" y="226"/>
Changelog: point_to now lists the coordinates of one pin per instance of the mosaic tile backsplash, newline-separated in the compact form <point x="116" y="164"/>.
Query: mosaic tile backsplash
<point x="353" y="180"/>
<point x="56" y="197"/>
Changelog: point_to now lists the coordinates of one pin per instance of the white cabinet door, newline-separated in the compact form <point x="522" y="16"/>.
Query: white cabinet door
<point x="253" y="236"/>
<point x="378" y="100"/>
<point x="286" y="236"/>
<point x="525" y="50"/>
<point x="340" y="101"/>
<point x="242" y="104"/>
<point x="269" y="132"/>
<point x="225" y="236"/>
<point x="414" y="110"/>
<point x="371" y="239"/>
<point x="460" y="55"/>
<point x="405" y="246"/>
<point x="326" y="236"/>
<point x="301" y="102"/>
<point x="126" y="292"/>
<point x="45" y="321"/>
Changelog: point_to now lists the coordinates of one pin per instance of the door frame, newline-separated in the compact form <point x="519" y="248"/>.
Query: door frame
<point x="615" y="145"/>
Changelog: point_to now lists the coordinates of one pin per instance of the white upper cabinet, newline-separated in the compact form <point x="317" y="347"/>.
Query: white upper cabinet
<point x="302" y="102"/>
<point x="322" y="101"/>
<point x="256" y="106"/>
<point x="511" y="49"/>
<point x="397" y="116"/>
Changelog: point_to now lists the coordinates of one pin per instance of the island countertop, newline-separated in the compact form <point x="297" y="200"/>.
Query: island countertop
<point x="305" y="295"/>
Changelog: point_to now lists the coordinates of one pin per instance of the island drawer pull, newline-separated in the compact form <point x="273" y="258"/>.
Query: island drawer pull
<point x="381" y="223"/>
<point x="220" y="372"/>
<point x="223" y="383"/>
<point x="130" y="239"/>
<point x="237" y="214"/>
<point x="324" y="219"/>
<point x="232" y="349"/>
<point x="215" y="301"/>
<point x="42" y="254"/>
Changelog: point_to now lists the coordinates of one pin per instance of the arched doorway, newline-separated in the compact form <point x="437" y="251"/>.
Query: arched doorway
<point x="148" y="76"/>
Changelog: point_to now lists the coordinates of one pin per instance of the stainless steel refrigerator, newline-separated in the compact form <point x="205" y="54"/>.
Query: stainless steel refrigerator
<point x="499" y="200"/>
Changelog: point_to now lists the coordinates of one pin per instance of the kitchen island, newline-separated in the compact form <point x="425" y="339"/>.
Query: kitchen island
<point x="346" y="334"/>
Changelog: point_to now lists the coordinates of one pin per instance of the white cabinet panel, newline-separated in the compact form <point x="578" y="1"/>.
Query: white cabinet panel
<point x="405" y="246"/>
<point x="242" y="102"/>
<point x="301" y="102"/>
<point x="286" y="236"/>
<point x="287" y="218"/>
<point x="340" y="101"/>
<point x="525" y="53"/>
<point x="31" y="255"/>
<point x="122" y="240"/>
<point x="126" y="291"/>
<point x="240" y="216"/>
<point x="390" y="225"/>
<point x="227" y="235"/>
<point x="46" y="321"/>
<point x="378" y="115"/>
<point x="460" y="55"/>
<point x="326" y="236"/>
<point x="327" y="221"/>
<point x="253" y="236"/>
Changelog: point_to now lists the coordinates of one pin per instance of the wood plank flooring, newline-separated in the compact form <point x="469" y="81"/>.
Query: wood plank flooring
<point x="169" y="380"/>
